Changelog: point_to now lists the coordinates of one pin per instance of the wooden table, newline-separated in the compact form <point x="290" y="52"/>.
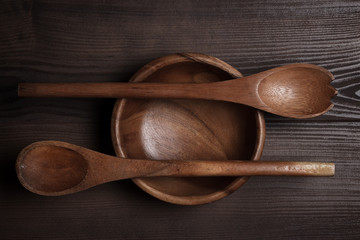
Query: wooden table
<point x="98" y="41"/>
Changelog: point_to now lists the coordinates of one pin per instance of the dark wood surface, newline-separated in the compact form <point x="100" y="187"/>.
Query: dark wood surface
<point x="98" y="41"/>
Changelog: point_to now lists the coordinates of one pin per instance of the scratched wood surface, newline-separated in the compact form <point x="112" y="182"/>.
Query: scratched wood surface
<point x="67" y="41"/>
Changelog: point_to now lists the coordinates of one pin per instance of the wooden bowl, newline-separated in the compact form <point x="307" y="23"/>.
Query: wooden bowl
<point x="187" y="129"/>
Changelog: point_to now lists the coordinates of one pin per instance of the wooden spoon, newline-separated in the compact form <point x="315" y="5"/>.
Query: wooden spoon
<point x="57" y="168"/>
<point x="296" y="90"/>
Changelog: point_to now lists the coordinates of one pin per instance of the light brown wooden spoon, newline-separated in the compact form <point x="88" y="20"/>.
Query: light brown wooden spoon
<point x="55" y="168"/>
<point x="295" y="90"/>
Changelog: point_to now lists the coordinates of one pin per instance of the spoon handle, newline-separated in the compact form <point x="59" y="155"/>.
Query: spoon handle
<point x="118" y="169"/>
<point x="124" y="168"/>
<point x="115" y="90"/>
<point x="245" y="168"/>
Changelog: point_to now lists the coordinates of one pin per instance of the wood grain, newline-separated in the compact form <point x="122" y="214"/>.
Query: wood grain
<point x="97" y="41"/>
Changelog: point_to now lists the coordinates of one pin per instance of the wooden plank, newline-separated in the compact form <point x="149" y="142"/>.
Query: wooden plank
<point x="54" y="42"/>
<point x="67" y="41"/>
<point x="281" y="207"/>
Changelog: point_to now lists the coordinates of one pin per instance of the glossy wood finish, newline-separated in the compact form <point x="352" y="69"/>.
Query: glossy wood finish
<point x="54" y="168"/>
<point x="296" y="90"/>
<point x="102" y="41"/>
<point x="187" y="129"/>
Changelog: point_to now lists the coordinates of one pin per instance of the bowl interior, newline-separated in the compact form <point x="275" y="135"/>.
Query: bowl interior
<point x="186" y="129"/>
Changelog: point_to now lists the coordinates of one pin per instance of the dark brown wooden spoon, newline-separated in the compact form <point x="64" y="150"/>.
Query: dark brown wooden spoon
<point x="295" y="90"/>
<point x="55" y="168"/>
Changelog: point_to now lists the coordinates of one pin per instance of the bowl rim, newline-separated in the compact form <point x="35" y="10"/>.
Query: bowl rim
<point x="145" y="72"/>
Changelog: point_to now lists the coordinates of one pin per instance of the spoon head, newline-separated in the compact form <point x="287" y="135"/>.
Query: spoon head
<point x="48" y="170"/>
<point x="298" y="91"/>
